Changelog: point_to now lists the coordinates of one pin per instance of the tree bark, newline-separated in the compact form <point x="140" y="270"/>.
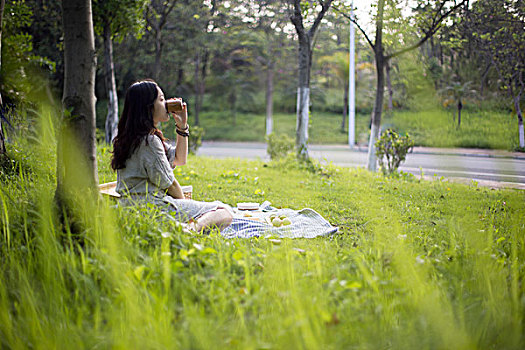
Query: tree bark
<point x="158" y="53"/>
<point x="2" y="137"/>
<point x="269" y="97"/>
<point x="484" y="80"/>
<point x="380" y="86"/>
<point x="380" y="59"/>
<point x="180" y="77"/>
<point x="111" y="86"/>
<point x="521" y="133"/>
<point x="76" y="161"/>
<point x="460" y="107"/>
<point x="156" y="16"/>
<point x="197" y="89"/>
<point x="389" y="86"/>
<point x="303" y="97"/>
<point x="305" y="65"/>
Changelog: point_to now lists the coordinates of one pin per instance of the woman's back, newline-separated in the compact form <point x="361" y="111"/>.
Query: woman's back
<point x="148" y="169"/>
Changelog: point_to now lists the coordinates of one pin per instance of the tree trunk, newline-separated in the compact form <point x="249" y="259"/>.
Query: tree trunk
<point x="380" y="86"/>
<point x="2" y="137"/>
<point x="111" y="86"/>
<point x="389" y="86"/>
<point x="233" y="105"/>
<point x="460" y="107"/>
<point x="520" y="121"/>
<point x="484" y="80"/>
<point x="345" y="108"/>
<point x="180" y="77"/>
<point x="76" y="161"/>
<point x="202" y="81"/>
<point x="303" y="97"/>
<point x="269" y="97"/>
<point x="197" y="89"/>
<point x="158" y="53"/>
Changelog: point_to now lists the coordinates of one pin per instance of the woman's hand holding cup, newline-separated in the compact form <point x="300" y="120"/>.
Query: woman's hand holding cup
<point x="179" y="110"/>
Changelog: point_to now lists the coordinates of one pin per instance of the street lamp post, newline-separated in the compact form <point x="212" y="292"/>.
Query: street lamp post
<point x="351" y="84"/>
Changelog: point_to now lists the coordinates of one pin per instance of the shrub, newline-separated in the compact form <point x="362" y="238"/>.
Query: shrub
<point x="279" y="145"/>
<point x="195" y="139"/>
<point x="391" y="150"/>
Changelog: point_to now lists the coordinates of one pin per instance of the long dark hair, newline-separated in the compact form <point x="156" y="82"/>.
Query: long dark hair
<point x="136" y="121"/>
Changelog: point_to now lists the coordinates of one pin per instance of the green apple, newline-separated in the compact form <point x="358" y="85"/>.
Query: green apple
<point x="276" y="222"/>
<point x="286" y="222"/>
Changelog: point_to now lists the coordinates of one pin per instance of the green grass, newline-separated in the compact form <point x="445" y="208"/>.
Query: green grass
<point x="430" y="126"/>
<point x="416" y="264"/>
<point x="479" y="129"/>
<point x="324" y="127"/>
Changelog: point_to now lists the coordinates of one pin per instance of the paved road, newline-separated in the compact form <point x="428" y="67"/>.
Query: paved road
<point x="489" y="168"/>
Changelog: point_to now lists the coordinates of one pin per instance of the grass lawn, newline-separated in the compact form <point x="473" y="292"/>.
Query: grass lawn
<point x="324" y="127"/>
<point x="415" y="265"/>
<point x="430" y="126"/>
<point x="479" y="129"/>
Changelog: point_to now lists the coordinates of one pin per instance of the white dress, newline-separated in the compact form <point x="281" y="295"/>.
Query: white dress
<point x="148" y="174"/>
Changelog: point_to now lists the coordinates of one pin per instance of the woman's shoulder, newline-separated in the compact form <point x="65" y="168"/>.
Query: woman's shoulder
<point x="151" y="140"/>
<point x="151" y="144"/>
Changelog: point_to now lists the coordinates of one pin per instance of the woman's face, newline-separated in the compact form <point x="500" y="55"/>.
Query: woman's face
<point x="159" y="109"/>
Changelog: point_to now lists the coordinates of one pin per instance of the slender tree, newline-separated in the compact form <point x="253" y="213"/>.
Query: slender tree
<point x="115" y="19"/>
<point x="77" y="163"/>
<point x="299" y="10"/>
<point x="430" y="22"/>
<point x="456" y="93"/>
<point x="202" y="58"/>
<point x="497" y="26"/>
<point x="339" y="64"/>
<point x="265" y="38"/>
<point x="157" y="19"/>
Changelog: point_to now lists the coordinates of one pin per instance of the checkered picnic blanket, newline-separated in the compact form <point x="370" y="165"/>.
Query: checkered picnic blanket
<point x="305" y="223"/>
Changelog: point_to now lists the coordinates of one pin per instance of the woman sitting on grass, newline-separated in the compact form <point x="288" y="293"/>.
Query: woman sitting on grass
<point x="144" y="161"/>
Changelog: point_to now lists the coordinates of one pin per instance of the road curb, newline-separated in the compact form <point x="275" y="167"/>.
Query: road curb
<point x="475" y="152"/>
<point x="465" y="152"/>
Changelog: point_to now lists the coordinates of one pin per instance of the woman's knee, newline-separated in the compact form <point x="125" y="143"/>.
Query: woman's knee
<point x="220" y="218"/>
<point x="226" y="216"/>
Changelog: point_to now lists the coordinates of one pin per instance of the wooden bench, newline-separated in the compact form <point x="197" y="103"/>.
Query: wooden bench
<point x="108" y="189"/>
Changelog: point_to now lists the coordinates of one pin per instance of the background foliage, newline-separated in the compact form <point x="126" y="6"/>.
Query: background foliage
<point x="217" y="56"/>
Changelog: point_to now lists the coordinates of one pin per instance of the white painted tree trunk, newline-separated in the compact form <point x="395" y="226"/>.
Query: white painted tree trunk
<point x="269" y="99"/>
<point x="371" y="163"/>
<point x="303" y="109"/>
<point x="521" y="135"/>
<point x="380" y="86"/>
<point x="520" y="121"/>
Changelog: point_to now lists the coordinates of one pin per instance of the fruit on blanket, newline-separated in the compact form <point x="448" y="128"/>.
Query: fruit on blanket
<point x="286" y="222"/>
<point x="276" y="222"/>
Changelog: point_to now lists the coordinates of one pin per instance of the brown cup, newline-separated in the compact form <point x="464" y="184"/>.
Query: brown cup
<point x="174" y="105"/>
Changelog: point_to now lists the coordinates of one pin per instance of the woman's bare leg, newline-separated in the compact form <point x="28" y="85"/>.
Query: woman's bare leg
<point x="220" y="218"/>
